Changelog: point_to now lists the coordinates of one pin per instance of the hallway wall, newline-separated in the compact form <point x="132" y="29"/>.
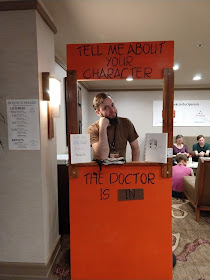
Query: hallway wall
<point x="28" y="193"/>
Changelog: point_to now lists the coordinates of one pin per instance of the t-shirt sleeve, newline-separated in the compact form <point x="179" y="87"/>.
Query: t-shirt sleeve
<point x="94" y="134"/>
<point x="194" y="147"/>
<point x="132" y="134"/>
<point x="189" y="171"/>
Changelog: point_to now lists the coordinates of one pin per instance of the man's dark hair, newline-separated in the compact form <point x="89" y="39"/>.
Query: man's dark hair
<point x="181" y="157"/>
<point x="199" y="137"/>
<point x="99" y="99"/>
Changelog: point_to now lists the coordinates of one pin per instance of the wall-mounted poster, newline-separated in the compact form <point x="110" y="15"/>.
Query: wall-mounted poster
<point x="23" y="124"/>
<point x="186" y="113"/>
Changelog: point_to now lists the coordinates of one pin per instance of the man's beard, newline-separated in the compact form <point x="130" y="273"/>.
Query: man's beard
<point x="114" y="121"/>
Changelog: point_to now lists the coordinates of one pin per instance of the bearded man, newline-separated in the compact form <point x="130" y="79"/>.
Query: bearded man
<point x="110" y="134"/>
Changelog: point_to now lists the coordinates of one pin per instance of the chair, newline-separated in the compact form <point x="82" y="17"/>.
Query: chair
<point x="197" y="189"/>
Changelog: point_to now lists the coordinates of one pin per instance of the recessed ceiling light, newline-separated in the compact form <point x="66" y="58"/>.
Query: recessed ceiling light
<point x="176" y="66"/>
<point x="199" y="45"/>
<point x="129" y="79"/>
<point x="197" y="77"/>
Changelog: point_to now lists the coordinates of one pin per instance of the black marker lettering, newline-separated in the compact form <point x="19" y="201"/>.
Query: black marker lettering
<point x="112" y="181"/>
<point x="108" y="60"/>
<point x="123" y="77"/>
<point x="126" y="179"/>
<point x="104" y="194"/>
<point x="147" y="72"/>
<point x="86" y="74"/>
<point x="109" y="73"/>
<point x="151" y="177"/>
<point x="161" y="44"/>
<point x="143" y="180"/>
<point x="129" y="59"/>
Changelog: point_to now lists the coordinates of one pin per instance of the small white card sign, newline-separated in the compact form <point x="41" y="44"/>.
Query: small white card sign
<point x="170" y="153"/>
<point x="80" y="148"/>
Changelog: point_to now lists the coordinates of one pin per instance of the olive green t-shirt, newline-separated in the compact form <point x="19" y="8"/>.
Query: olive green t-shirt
<point x="119" y="135"/>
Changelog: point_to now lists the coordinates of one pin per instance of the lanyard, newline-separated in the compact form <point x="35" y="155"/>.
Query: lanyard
<point x="112" y="145"/>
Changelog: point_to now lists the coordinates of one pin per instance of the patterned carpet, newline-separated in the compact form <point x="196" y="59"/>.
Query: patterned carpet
<point x="191" y="245"/>
<point x="62" y="270"/>
<point x="191" y="242"/>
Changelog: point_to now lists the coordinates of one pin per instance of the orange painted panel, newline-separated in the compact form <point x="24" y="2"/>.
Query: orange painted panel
<point x="140" y="60"/>
<point x="120" y="240"/>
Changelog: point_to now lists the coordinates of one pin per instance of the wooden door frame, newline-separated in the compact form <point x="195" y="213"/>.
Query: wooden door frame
<point x="168" y="100"/>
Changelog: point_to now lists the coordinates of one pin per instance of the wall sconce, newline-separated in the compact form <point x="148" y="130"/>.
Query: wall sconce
<point x="52" y="93"/>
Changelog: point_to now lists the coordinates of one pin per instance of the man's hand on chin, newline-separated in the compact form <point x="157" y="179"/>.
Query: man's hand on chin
<point x="103" y="123"/>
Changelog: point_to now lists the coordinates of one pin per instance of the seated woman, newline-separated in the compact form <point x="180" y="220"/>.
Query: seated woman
<point x="178" y="172"/>
<point x="179" y="147"/>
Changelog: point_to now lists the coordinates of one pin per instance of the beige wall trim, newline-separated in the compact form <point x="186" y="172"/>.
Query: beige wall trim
<point x="81" y="83"/>
<point x="27" y="271"/>
<point x="28" y="5"/>
<point x="57" y="60"/>
<point x="139" y="89"/>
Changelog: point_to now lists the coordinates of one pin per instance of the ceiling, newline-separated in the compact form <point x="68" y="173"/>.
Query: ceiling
<point x="186" y="22"/>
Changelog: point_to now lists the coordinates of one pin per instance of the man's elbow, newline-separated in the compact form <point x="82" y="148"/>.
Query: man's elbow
<point x="101" y="155"/>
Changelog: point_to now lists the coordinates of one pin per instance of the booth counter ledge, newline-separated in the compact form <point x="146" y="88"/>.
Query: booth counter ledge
<point x="74" y="168"/>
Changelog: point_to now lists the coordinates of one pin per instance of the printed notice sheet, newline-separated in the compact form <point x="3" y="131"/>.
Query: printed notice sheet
<point x="156" y="147"/>
<point x="80" y="148"/>
<point x="23" y="124"/>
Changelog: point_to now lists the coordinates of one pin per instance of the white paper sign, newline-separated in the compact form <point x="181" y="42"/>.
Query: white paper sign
<point x="186" y="113"/>
<point x="23" y="124"/>
<point x="80" y="148"/>
<point x="156" y="147"/>
<point x="169" y="152"/>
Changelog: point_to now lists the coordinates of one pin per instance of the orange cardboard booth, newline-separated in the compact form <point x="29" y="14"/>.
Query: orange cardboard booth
<point x="120" y="217"/>
<point x="120" y="239"/>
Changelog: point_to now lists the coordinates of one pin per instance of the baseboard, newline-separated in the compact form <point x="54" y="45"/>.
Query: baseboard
<point x="30" y="271"/>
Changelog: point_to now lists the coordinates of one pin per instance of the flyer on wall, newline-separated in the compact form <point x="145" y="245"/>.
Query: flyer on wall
<point x="23" y="124"/>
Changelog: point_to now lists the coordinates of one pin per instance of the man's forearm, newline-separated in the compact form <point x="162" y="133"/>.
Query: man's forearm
<point x="102" y="148"/>
<point x="135" y="154"/>
<point x="207" y="153"/>
<point x="196" y="153"/>
<point x="135" y="150"/>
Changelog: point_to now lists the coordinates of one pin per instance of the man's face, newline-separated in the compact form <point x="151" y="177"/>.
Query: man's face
<point x="201" y="141"/>
<point x="107" y="109"/>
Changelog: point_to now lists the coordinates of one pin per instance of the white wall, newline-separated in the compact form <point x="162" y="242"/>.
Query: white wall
<point x="60" y="123"/>
<point x="138" y="107"/>
<point x="28" y="192"/>
<point x="46" y="56"/>
<point x="60" y="131"/>
<point x="192" y="95"/>
<point x="21" y="235"/>
<point x="85" y="109"/>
